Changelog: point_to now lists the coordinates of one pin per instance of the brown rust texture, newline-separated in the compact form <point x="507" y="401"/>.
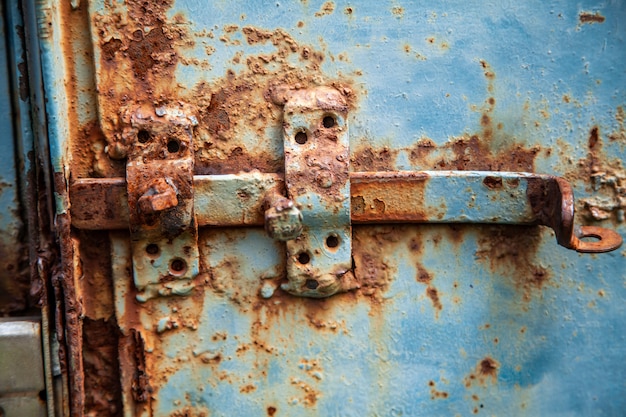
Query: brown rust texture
<point x="103" y="396"/>
<point x="141" y="48"/>
<point x="384" y="199"/>
<point x="100" y="330"/>
<point x="15" y="280"/>
<point x="588" y="17"/>
<point x="436" y="394"/>
<point x="486" y="371"/>
<point x="510" y="251"/>
<point x="424" y="276"/>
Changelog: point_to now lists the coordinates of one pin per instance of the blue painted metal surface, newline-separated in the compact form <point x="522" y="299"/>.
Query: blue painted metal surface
<point x="449" y="319"/>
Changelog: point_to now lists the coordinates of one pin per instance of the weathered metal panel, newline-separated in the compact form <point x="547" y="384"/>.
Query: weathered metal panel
<point x="449" y="319"/>
<point x="14" y="283"/>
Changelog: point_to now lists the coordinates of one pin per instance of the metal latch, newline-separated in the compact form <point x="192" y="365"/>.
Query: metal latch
<point x="157" y="142"/>
<point x="311" y="207"/>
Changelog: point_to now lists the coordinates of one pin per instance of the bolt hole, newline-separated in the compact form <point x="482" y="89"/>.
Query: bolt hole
<point x="152" y="249"/>
<point x="173" y="146"/>
<point x="328" y="122"/>
<point x="591" y="238"/>
<point x="143" y="136"/>
<point x="301" y="138"/>
<point x="304" y="258"/>
<point x="332" y="241"/>
<point x="177" y="267"/>
<point x="311" y="284"/>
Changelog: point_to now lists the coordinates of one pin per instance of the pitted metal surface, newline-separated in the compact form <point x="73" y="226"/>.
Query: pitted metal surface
<point x="448" y="318"/>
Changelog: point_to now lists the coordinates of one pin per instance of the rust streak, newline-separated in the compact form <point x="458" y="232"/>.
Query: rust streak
<point x="588" y="17"/>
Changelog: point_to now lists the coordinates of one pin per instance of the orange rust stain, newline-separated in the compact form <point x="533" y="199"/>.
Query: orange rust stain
<point x="593" y="138"/>
<point x="472" y="153"/>
<point x="486" y="371"/>
<point x="103" y="393"/>
<point x="348" y="10"/>
<point x="310" y="396"/>
<point x="271" y="411"/>
<point x="366" y="159"/>
<point x="423" y="276"/>
<point x="397" y="11"/>
<point x="435" y="394"/>
<point x="374" y="273"/>
<point x="620" y="134"/>
<point x="433" y="294"/>
<point x="246" y="389"/>
<point x="381" y="200"/>
<point x="588" y="17"/>
<point x="326" y="9"/>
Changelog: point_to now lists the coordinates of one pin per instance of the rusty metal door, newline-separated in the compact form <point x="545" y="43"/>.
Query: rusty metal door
<point x="282" y="208"/>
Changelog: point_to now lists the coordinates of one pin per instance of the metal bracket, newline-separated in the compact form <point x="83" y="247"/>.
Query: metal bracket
<point x="159" y="179"/>
<point x="317" y="178"/>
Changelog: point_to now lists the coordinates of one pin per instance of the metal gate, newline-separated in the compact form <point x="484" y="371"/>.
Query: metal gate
<point x="280" y="208"/>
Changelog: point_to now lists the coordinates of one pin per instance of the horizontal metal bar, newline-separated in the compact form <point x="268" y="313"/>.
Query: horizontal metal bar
<point x="376" y="197"/>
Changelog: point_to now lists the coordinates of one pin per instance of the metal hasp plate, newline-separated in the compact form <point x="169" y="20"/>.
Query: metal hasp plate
<point x="159" y="174"/>
<point x="317" y="157"/>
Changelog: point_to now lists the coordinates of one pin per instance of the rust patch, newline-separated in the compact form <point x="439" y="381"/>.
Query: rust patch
<point x="588" y="17"/>
<point x="246" y="389"/>
<point x="486" y="371"/>
<point x="103" y="392"/>
<point x="309" y="395"/>
<point x="366" y="159"/>
<point x="435" y="394"/>
<point x="271" y="411"/>
<point x="94" y="268"/>
<point x="620" y="134"/>
<point x="593" y="138"/>
<point x="472" y="153"/>
<point x="397" y="11"/>
<point x="493" y="183"/>
<point x="15" y="279"/>
<point x="510" y="251"/>
<point x="423" y="276"/>
<point x="141" y="388"/>
<point x="371" y="269"/>
<point x="326" y="9"/>
<point x="433" y="294"/>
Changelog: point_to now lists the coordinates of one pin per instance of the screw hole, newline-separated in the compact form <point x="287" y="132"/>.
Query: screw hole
<point x="173" y="146"/>
<point x="328" y="122"/>
<point x="152" y="249"/>
<point x="143" y="136"/>
<point x="301" y="138"/>
<point x="591" y="238"/>
<point x="177" y="267"/>
<point x="332" y="241"/>
<point x="304" y="258"/>
<point x="311" y="284"/>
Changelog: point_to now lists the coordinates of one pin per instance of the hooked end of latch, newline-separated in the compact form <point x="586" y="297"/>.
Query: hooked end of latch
<point x="604" y="240"/>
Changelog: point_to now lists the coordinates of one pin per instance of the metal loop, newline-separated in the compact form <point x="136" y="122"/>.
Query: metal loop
<point x="608" y="240"/>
